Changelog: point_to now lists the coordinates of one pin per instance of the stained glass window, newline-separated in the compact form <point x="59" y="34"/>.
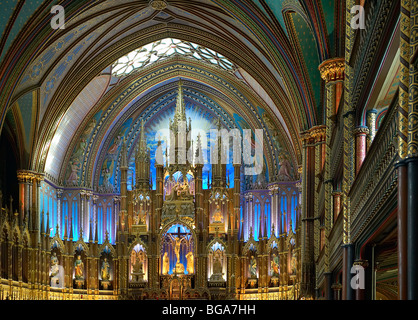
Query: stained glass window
<point x="165" y="48"/>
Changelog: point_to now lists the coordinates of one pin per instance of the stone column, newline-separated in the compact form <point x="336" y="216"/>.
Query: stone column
<point x="82" y="214"/>
<point x="401" y="166"/>
<point x="336" y="287"/>
<point x="349" y="152"/>
<point x="318" y="135"/>
<point x="361" y="134"/>
<point x="308" y="214"/>
<point x="25" y="179"/>
<point x="402" y="219"/>
<point x="348" y="262"/>
<point x="116" y="207"/>
<point x="332" y="72"/>
<point x="336" y="195"/>
<point x="412" y="158"/>
<point x="59" y="211"/>
<point x="94" y="222"/>
<point x="371" y="125"/>
<point x="361" y="290"/>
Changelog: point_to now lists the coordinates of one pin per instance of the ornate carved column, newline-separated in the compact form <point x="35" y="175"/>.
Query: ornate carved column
<point x="349" y="151"/>
<point x="401" y="166"/>
<point x="116" y="209"/>
<point x="360" y="134"/>
<point x="308" y="214"/>
<point x="59" y="211"/>
<point x="94" y="217"/>
<point x="318" y="140"/>
<point x="332" y="72"/>
<point x="251" y="212"/>
<point x="82" y="226"/>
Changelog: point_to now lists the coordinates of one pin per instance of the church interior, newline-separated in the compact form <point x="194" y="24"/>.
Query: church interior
<point x="209" y="150"/>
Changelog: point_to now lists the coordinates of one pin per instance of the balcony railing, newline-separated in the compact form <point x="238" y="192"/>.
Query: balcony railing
<point x="377" y="178"/>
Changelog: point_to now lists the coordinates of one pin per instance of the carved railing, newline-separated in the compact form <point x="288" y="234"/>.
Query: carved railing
<point x="377" y="178"/>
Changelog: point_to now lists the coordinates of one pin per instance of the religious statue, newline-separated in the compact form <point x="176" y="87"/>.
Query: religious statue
<point x="285" y="168"/>
<point x="138" y="266"/>
<point x="217" y="263"/>
<point x="105" y="270"/>
<point x="79" y="268"/>
<point x="174" y="192"/>
<point x="275" y="267"/>
<point x="166" y="263"/>
<point x="142" y="215"/>
<point x="293" y="263"/>
<point x="176" y="241"/>
<point x="190" y="263"/>
<point x="217" y="216"/>
<point x="253" y="267"/>
<point x="184" y="190"/>
<point x="54" y="273"/>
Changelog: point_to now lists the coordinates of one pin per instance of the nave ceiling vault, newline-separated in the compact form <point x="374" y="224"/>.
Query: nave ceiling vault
<point x="98" y="33"/>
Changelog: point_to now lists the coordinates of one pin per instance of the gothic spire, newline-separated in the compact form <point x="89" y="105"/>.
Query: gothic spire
<point x="180" y="113"/>
<point x="124" y="155"/>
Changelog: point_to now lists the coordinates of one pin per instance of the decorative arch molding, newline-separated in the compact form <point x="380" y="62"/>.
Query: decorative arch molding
<point x="73" y="84"/>
<point x="272" y="239"/>
<point x="107" y="244"/>
<point x="60" y="244"/>
<point x="131" y="92"/>
<point x="80" y="242"/>
<point x="168" y="225"/>
<point x="214" y="241"/>
<point x="151" y="111"/>
<point x="247" y="247"/>
<point x="137" y="241"/>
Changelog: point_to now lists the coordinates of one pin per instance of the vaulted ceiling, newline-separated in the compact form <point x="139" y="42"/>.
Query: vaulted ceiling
<point x="59" y="96"/>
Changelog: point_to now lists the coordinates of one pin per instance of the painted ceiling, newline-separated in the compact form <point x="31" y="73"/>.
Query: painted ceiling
<point x="259" y="70"/>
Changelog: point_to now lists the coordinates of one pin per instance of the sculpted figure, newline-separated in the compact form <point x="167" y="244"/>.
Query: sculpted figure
<point x="105" y="270"/>
<point x="79" y="268"/>
<point x="166" y="263"/>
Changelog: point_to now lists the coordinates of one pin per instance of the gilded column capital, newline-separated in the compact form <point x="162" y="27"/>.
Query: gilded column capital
<point x="28" y="176"/>
<point x="332" y="69"/>
<point x="361" y="263"/>
<point x="314" y="135"/>
<point x="319" y="133"/>
<point x="361" y="131"/>
<point x="336" y="286"/>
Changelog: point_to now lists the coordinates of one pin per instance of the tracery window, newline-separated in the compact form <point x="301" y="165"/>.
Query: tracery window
<point x="165" y="48"/>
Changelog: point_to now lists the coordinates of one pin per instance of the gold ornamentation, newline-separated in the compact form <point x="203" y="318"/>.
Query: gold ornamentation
<point x="332" y="69"/>
<point x="158" y="4"/>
